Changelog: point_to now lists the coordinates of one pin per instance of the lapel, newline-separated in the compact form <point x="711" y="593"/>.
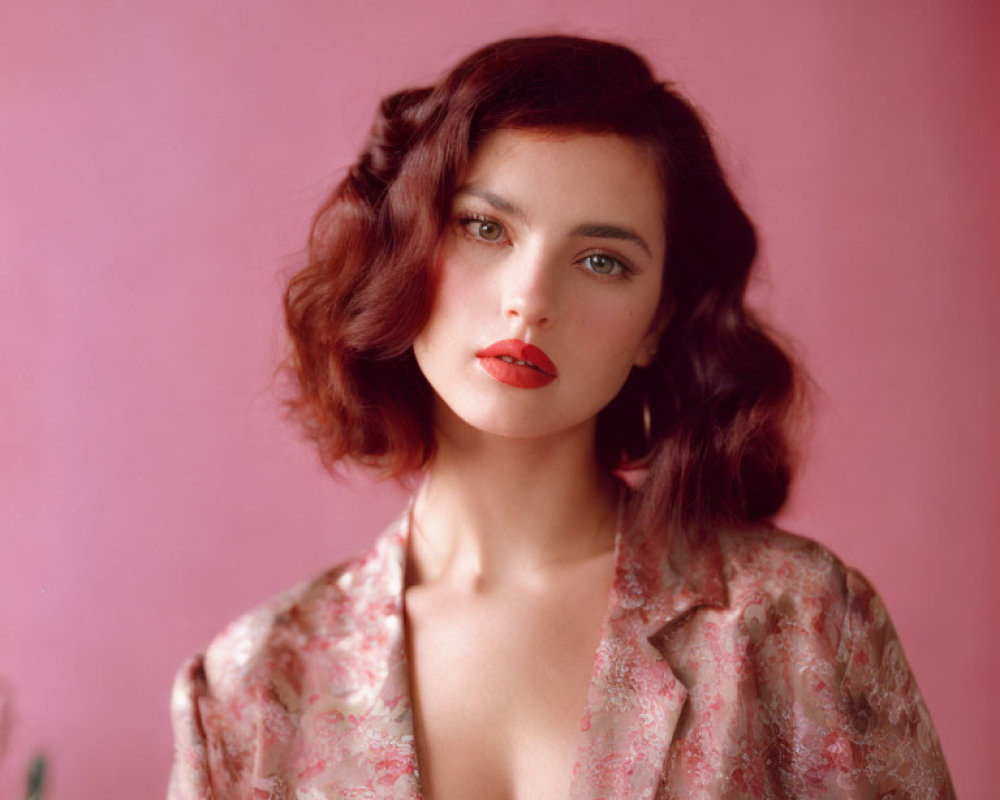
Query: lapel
<point x="368" y="719"/>
<point x="634" y="700"/>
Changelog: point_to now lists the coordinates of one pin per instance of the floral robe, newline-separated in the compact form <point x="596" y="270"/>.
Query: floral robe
<point x="753" y="666"/>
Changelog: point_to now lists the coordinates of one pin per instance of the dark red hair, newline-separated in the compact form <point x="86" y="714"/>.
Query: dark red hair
<point x="719" y="390"/>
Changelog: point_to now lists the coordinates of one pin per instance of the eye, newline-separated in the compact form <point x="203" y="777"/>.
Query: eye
<point x="483" y="228"/>
<point x="603" y="264"/>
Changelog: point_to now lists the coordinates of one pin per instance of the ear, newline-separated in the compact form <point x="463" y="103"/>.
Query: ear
<point x="651" y="341"/>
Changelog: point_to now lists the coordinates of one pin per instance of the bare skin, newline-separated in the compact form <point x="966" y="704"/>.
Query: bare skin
<point x="502" y="630"/>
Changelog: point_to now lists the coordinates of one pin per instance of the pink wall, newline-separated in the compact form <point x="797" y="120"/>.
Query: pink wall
<point x="159" y="162"/>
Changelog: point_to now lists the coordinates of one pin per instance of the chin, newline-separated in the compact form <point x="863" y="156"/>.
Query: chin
<point x="502" y="421"/>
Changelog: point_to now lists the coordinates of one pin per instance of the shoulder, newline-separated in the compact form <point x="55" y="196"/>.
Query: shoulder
<point x="305" y="619"/>
<point x="795" y="659"/>
<point x="793" y="599"/>
<point x="790" y="595"/>
<point x="259" y="676"/>
<point x="289" y="618"/>
<point x="768" y="561"/>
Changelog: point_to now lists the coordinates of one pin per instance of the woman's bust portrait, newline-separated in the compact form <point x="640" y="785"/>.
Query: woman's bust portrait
<point x="527" y="296"/>
<point x="583" y="400"/>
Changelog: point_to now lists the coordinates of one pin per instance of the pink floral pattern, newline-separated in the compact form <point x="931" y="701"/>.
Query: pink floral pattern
<point x="753" y="666"/>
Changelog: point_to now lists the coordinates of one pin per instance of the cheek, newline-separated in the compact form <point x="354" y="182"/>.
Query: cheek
<point x="616" y="332"/>
<point x="461" y="280"/>
<point x="457" y="288"/>
<point x="456" y="302"/>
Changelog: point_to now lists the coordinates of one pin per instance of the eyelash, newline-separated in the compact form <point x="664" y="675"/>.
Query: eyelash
<point x="625" y="272"/>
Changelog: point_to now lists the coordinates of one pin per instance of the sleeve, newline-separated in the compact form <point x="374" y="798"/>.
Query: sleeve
<point x="189" y="776"/>
<point x="214" y="740"/>
<point x="897" y="748"/>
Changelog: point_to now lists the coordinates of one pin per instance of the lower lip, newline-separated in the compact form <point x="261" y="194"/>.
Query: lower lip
<point x="515" y="375"/>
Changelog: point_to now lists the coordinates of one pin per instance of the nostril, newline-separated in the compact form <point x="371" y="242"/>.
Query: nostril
<point x="527" y="311"/>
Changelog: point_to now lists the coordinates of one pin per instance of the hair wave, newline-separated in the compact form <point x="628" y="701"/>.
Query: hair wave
<point x="720" y="389"/>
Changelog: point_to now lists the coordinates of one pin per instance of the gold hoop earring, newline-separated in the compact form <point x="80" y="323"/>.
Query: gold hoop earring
<point x="647" y="421"/>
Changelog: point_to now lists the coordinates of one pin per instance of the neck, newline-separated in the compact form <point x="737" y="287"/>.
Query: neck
<point x="497" y="510"/>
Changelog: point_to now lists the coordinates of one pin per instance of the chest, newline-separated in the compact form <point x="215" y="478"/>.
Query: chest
<point x="499" y="690"/>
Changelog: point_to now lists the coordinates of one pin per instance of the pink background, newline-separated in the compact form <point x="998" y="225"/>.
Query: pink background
<point x="159" y="163"/>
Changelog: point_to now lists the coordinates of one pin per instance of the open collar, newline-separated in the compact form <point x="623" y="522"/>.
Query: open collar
<point x="634" y="701"/>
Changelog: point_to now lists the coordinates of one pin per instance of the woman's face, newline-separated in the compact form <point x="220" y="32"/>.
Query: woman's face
<point x="553" y="257"/>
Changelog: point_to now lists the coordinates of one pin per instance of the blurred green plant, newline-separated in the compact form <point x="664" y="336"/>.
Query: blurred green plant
<point x="36" y="778"/>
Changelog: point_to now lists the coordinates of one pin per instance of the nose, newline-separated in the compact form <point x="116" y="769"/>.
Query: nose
<point x="530" y="291"/>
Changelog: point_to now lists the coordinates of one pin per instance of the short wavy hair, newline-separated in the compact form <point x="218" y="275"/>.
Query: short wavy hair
<point x="719" y="390"/>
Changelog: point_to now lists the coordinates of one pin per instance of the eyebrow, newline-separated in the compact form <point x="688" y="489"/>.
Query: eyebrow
<point x="594" y="230"/>
<point x="494" y="200"/>
<point x="600" y="230"/>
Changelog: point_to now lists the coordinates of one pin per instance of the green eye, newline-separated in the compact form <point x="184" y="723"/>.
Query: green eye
<point x="602" y="264"/>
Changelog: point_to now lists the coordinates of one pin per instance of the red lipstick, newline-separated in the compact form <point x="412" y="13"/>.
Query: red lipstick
<point x="517" y="363"/>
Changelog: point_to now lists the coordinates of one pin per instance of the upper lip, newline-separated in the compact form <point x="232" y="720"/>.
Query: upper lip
<point x="520" y="351"/>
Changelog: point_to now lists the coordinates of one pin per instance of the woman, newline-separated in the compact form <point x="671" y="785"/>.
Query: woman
<point x="529" y="290"/>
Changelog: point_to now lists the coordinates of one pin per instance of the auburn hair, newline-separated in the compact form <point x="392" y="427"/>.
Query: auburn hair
<point x="719" y="390"/>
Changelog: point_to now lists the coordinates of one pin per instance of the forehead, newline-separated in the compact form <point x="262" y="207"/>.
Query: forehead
<point x="576" y="176"/>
